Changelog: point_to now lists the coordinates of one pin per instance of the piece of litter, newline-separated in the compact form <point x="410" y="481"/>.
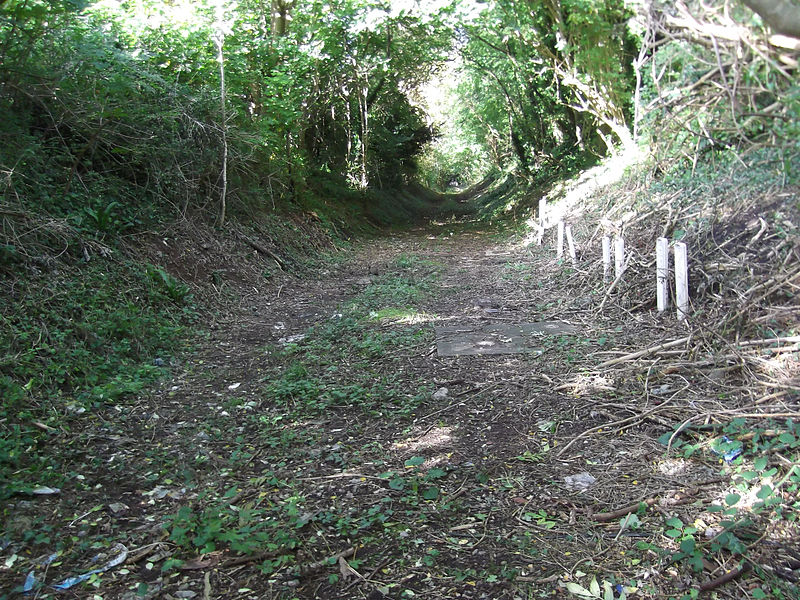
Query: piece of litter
<point x="293" y="339"/>
<point x="485" y="343"/>
<point x="30" y="581"/>
<point x="579" y="482"/>
<point x="233" y="386"/>
<point x="43" y="490"/>
<point x="727" y="455"/>
<point x="117" y="560"/>
<point x="121" y="557"/>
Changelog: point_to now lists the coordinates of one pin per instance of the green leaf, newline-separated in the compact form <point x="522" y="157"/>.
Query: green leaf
<point x="688" y="545"/>
<point x="578" y="590"/>
<point x="664" y="439"/>
<point x="608" y="591"/>
<point x="674" y="522"/>
<point x="696" y="561"/>
<point x="415" y="461"/>
<point x="594" y="587"/>
<point x="630" y="521"/>
<point x="673" y="533"/>
<point x="765" y="492"/>
<point x="436" y="473"/>
<point x="787" y="438"/>
<point x="732" y="499"/>
<point x="398" y="483"/>
<point x="760" y="463"/>
<point x="431" y="493"/>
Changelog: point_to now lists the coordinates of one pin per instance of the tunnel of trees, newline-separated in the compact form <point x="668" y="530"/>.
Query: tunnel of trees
<point x="114" y="109"/>
<point x="208" y="318"/>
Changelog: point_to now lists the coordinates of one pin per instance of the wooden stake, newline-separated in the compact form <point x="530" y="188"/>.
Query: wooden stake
<point x="662" y="273"/>
<point x="570" y="242"/>
<point x="606" y="258"/>
<point x="542" y="212"/>
<point x="542" y="224"/>
<point x="682" y="280"/>
<point x="619" y="256"/>
<point x="560" y="242"/>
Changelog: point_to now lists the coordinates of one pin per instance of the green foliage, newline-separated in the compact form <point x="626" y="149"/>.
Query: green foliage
<point x="253" y="526"/>
<point x="89" y="337"/>
<point x="771" y="489"/>
<point x="692" y="111"/>
<point x="545" y="86"/>
<point x="135" y="129"/>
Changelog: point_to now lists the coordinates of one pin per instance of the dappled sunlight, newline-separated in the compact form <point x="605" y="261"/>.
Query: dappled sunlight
<point x="565" y="200"/>
<point x="436" y="437"/>
<point x="402" y="316"/>
<point x="580" y="385"/>
<point x="673" y="466"/>
<point x="783" y="366"/>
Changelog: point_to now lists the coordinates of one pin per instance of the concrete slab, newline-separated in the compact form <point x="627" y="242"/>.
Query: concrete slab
<point x="501" y="338"/>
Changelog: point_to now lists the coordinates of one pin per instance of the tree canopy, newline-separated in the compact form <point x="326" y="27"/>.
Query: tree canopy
<point x="190" y="104"/>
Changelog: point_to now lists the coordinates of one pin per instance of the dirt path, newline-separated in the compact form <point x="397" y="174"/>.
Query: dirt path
<point x="316" y="445"/>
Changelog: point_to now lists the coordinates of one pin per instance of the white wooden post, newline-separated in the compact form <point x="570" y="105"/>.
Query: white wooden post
<point x="606" y="258"/>
<point x="682" y="280"/>
<point x="542" y="220"/>
<point x="619" y="256"/>
<point x="542" y="211"/>
<point x="570" y="242"/>
<point x="662" y="273"/>
<point x="560" y="242"/>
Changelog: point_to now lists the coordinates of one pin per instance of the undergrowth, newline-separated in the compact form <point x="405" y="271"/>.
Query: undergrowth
<point x="73" y="340"/>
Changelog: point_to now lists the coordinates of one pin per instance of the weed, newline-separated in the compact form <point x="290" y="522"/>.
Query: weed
<point x="256" y="525"/>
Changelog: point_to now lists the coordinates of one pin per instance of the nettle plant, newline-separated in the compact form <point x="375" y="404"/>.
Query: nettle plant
<point x="764" y="466"/>
<point x="417" y="483"/>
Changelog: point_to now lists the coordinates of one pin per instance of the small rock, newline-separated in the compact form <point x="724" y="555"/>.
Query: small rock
<point x="441" y="394"/>
<point x="718" y="374"/>
<point x="486" y="303"/>
<point x="158" y="362"/>
<point x="661" y="390"/>
<point x="185" y="594"/>
<point x="117" y="507"/>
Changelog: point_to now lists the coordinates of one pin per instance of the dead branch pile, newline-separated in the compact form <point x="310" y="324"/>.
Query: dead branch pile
<point x="711" y="78"/>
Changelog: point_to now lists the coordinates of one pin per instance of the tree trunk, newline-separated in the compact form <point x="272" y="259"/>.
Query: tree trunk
<point x="219" y="39"/>
<point x="782" y="15"/>
<point x="364" y="114"/>
<point x="279" y="21"/>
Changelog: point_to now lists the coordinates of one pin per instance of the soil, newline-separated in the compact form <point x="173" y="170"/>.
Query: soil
<point x="502" y="447"/>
